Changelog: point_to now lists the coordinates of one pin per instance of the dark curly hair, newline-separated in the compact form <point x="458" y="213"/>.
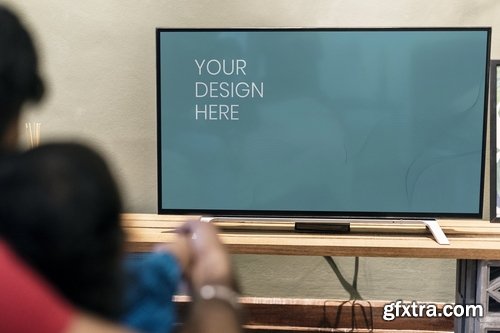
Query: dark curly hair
<point x="60" y="211"/>
<point x="20" y="80"/>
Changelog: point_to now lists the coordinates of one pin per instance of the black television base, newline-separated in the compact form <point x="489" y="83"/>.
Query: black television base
<point x="322" y="227"/>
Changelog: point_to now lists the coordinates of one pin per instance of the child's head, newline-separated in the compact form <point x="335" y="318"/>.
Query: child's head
<point x="59" y="209"/>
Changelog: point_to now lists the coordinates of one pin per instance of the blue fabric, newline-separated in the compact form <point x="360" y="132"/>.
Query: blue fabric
<point x="152" y="280"/>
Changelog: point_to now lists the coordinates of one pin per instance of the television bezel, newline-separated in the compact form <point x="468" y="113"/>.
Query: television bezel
<point x="319" y="214"/>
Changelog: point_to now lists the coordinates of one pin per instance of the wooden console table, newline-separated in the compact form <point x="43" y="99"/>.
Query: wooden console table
<point x="472" y="242"/>
<point x="469" y="239"/>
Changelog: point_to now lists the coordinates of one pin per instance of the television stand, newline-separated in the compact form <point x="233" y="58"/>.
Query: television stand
<point x="335" y="224"/>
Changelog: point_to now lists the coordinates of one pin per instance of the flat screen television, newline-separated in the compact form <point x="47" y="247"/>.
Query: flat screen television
<point x="322" y="122"/>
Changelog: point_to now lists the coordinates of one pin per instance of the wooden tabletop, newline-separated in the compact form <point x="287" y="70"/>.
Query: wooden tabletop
<point x="469" y="239"/>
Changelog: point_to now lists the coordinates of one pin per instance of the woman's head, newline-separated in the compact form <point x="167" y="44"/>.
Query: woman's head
<point x="59" y="209"/>
<point x="19" y="74"/>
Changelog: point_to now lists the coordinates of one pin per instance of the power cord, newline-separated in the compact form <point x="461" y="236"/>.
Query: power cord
<point x="351" y="288"/>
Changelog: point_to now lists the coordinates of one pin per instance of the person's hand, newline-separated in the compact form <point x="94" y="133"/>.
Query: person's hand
<point x="210" y="270"/>
<point x="210" y="262"/>
<point x="181" y="249"/>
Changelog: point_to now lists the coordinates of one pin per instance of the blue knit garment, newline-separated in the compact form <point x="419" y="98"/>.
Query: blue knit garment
<point x="152" y="280"/>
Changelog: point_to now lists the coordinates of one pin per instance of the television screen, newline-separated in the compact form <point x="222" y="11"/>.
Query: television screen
<point x="322" y="122"/>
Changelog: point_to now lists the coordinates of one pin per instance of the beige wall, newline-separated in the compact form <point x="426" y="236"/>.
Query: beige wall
<point x="99" y="58"/>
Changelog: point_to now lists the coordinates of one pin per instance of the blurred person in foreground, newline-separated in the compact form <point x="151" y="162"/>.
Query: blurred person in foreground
<point x="204" y="260"/>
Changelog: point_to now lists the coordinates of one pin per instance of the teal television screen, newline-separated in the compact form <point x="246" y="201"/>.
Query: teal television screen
<point x="322" y="122"/>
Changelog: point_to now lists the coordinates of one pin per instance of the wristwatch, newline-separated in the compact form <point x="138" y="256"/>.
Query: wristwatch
<point x="220" y="293"/>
